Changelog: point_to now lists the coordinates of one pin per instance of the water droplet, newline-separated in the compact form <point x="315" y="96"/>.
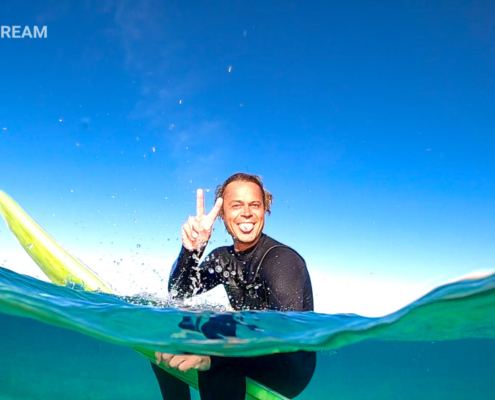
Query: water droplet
<point x="29" y="246"/>
<point x="218" y="268"/>
<point x="174" y="292"/>
<point x="153" y="149"/>
<point x="230" y="68"/>
<point x="138" y="246"/>
<point x="135" y="220"/>
<point x="226" y="274"/>
<point x="211" y="270"/>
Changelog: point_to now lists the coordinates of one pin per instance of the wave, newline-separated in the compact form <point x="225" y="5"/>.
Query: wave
<point x="459" y="310"/>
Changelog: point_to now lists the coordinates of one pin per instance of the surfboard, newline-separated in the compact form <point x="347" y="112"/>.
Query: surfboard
<point x="64" y="269"/>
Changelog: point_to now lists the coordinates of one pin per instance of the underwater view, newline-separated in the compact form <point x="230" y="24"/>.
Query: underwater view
<point x="247" y="200"/>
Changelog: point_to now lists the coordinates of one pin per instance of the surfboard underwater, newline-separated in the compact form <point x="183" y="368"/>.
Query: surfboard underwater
<point x="64" y="269"/>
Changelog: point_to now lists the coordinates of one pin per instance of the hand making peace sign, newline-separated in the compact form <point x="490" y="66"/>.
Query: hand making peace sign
<point x="197" y="230"/>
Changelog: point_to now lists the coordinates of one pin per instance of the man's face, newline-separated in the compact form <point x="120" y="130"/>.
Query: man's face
<point x="243" y="213"/>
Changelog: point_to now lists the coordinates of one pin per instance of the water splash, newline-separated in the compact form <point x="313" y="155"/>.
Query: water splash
<point x="459" y="310"/>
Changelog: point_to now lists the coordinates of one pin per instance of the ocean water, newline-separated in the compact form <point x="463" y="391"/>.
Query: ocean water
<point x="60" y="343"/>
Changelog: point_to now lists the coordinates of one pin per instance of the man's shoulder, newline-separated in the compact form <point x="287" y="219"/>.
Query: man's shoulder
<point x="268" y="241"/>
<point x="275" y="248"/>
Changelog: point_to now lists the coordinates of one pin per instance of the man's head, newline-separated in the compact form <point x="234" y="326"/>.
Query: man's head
<point x="245" y="202"/>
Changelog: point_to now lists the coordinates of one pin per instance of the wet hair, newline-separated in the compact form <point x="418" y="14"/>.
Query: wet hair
<point x="243" y="177"/>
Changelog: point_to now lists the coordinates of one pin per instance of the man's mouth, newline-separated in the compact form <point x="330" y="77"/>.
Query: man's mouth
<point x="246" y="227"/>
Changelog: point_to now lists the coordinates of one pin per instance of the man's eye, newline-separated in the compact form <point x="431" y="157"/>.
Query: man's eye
<point x="255" y="205"/>
<point x="236" y="206"/>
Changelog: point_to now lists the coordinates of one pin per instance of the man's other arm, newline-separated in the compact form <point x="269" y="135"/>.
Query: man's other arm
<point x="287" y="281"/>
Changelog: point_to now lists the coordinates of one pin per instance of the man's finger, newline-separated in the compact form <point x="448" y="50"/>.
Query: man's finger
<point x="200" y="203"/>
<point x="176" y="361"/>
<point x="200" y="363"/>
<point x="158" y="357"/>
<point x="165" y="359"/>
<point x="187" y="232"/>
<point x="187" y="364"/>
<point x="216" y="209"/>
<point x="193" y="227"/>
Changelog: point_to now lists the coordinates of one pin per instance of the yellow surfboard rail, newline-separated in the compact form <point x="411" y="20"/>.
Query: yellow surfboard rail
<point x="64" y="269"/>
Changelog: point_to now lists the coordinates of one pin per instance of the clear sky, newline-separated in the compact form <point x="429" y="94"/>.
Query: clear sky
<point x="372" y="124"/>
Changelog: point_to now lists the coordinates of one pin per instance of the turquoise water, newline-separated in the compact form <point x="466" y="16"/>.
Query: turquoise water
<point x="439" y="347"/>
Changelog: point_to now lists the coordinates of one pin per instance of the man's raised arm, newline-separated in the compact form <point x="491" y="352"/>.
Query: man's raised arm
<point x="187" y="277"/>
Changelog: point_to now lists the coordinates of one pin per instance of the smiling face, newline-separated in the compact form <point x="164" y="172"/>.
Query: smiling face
<point x="243" y="213"/>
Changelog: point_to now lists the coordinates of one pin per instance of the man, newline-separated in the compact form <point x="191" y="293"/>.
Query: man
<point x="258" y="273"/>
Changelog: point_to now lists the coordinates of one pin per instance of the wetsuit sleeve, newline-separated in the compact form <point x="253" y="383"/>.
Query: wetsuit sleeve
<point x="286" y="281"/>
<point x="188" y="277"/>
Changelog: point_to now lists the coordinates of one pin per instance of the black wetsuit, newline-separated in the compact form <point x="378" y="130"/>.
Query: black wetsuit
<point x="268" y="276"/>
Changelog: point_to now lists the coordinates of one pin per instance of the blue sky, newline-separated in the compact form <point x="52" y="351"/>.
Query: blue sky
<point x="372" y="125"/>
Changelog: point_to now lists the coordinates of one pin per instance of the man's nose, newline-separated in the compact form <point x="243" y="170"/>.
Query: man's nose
<point x="246" y="211"/>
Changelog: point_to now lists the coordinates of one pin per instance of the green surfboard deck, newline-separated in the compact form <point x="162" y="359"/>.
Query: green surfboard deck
<point x="64" y="269"/>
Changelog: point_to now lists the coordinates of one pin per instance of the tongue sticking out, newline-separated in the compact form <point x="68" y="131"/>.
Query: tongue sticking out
<point x="246" y="228"/>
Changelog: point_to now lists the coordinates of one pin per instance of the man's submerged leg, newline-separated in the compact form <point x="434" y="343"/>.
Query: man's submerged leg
<point x="172" y="388"/>
<point x="225" y="380"/>
<point x="286" y="373"/>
